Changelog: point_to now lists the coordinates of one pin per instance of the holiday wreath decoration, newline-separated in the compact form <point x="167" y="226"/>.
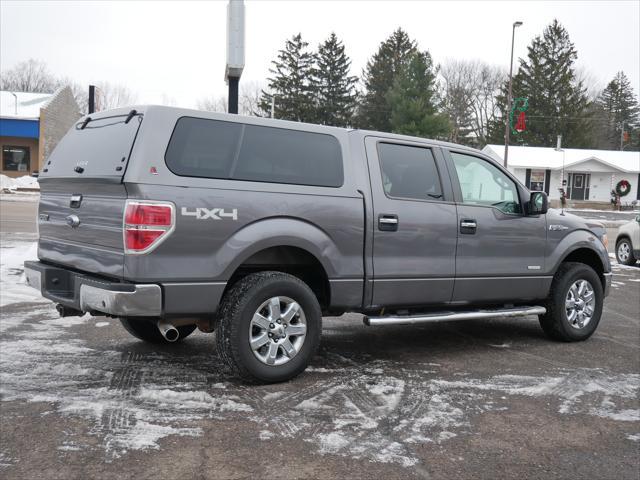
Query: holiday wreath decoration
<point x="623" y="187"/>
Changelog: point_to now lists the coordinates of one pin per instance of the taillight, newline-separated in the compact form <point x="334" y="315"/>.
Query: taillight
<point x="146" y="225"/>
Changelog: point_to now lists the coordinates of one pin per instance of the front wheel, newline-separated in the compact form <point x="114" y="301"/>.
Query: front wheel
<point x="574" y="305"/>
<point x="624" y="252"/>
<point x="269" y="327"/>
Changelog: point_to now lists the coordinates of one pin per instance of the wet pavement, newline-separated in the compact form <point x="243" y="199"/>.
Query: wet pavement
<point x="83" y="399"/>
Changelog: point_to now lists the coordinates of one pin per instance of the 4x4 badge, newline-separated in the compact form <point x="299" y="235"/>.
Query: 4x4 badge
<point x="202" y="213"/>
<point x="554" y="228"/>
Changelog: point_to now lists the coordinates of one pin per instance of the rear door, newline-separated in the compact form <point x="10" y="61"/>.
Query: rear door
<point x="501" y="252"/>
<point x="414" y="238"/>
<point x="82" y="196"/>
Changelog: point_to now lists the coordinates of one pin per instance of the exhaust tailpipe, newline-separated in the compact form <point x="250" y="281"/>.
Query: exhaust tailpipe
<point x="168" y="331"/>
<point x="68" y="311"/>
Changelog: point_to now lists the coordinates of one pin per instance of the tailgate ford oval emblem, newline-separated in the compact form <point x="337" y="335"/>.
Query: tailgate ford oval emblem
<point x="73" y="221"/>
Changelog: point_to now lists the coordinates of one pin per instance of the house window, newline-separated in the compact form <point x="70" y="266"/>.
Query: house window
<point x="536" y="183"/>
<point x="16" y="159"/>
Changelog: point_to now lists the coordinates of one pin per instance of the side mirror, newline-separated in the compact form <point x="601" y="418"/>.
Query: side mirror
<point x="538" y="203"/>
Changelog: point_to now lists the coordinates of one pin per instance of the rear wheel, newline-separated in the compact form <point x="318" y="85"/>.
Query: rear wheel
<point x="624" y="252"/>
<point x="269" y="327"/>
<point x="574" y="305"/>
<point x="147" y="329"/>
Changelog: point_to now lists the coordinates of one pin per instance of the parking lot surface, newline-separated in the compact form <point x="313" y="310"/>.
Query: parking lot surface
<point x="80" y="398"/>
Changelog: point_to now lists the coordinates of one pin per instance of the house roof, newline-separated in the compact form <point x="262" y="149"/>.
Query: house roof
<point x="25" y="107"/>
<point x="550" y="158"/>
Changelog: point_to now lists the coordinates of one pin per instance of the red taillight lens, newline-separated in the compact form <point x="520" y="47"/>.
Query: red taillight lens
<point x="146" y="224"/>
<point x="145" y="214"/>
<point x="141" y="239"/>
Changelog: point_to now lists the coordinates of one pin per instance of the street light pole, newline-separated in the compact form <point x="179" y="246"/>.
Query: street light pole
<point x="509" y="98"/>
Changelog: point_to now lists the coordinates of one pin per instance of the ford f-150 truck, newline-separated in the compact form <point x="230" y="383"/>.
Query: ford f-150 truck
<point x="172" y="219"/>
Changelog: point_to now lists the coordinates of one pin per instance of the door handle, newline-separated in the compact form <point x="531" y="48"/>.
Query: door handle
<point x="387" y="222"/>
<point x="468" y="226"/>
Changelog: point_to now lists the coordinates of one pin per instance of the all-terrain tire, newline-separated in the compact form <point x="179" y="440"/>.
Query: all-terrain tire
<point x="235" y="315"/>
<point x="626" y="258"/>
<point x="555" y="322"/>
<point x="145" y="329"/>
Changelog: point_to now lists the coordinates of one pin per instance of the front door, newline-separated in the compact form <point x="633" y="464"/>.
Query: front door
<point x="579" y="186"/>
<point x="501" y="252"/>
<point x="414" y="238"/>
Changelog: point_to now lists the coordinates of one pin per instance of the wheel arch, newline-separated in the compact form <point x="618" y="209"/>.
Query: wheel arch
<point x="290" y="259"/>
<point x="285" y="244"/>
<point x="590" y="257"/>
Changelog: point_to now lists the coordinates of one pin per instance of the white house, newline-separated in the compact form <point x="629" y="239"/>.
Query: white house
<point x="590" y="174"/>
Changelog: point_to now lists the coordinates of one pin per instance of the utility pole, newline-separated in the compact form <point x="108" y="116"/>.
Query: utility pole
<point x="235" y="50"/>
<point x="92" y="98"/>
<point x="622" y="136"/>
<point x="273" y="106"/>
<point x="507" y="127"/>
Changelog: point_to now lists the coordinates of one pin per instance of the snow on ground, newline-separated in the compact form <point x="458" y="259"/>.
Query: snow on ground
<point x="26" y="181"/>
<point x="594" y="210"/>
<point x="20" y="196"/>
<point x="13" y="287"/>
<point x="376" y="410"/>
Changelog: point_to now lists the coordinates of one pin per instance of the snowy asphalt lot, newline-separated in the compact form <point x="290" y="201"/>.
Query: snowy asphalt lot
<point x="80" y="398"/>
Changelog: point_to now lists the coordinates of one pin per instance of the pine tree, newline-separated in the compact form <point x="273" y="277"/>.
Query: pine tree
<point x="413" y="99"/>
<point x="619" y="106"/>
<point x="291" y="83"/>
<point x="558" y="103"/>
<point x="333" y="88"/>
<point x="378" y="77"/>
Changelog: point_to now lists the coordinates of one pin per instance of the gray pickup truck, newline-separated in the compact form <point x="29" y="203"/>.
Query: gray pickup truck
<point x="172" y="219"/>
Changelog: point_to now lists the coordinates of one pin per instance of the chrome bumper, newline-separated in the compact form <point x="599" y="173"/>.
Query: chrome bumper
<point x="608" y="277"/>
<point x="89" y="294"/>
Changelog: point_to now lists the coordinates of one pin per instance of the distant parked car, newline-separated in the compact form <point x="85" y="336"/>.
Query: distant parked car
<point x="628" y="242"/>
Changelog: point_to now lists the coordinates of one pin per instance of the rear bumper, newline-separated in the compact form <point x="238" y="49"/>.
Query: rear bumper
<point x="89" y="294"/>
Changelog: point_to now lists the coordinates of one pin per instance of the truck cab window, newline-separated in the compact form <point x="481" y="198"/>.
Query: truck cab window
<point x="484" y="184"/>
<point x="409" y="172"/>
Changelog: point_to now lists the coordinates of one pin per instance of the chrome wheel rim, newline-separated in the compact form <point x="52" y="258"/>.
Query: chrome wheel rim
<point x="624" y="251"/>
<point x="580" y="304"/>
<point x="277" y="331"/>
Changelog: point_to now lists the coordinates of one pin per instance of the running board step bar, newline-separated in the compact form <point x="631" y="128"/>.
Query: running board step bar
<point x="449" y="316"/>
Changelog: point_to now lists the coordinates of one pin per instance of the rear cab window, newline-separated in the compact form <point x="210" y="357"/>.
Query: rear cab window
<point x="235" y="151"/>
<point x="409" y="172"/>
<point x="99" y="148"/>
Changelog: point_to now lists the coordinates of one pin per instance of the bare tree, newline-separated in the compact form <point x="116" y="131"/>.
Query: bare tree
<point x="469" y="90"/>
<point x="485" y="105"/>
<point x="29" y="76"/>
<point x="249" y="98"/>
<point x="458" y="84"/>
<point x="110" y="95"/>
<point x="213" y="104"/>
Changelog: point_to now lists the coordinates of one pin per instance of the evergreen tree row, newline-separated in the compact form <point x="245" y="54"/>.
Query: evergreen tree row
<point x="312" y="87"/>
<point x="402" y="91"/>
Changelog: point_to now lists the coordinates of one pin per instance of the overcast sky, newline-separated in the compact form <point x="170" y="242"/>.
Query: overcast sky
<point x="175" y="51"/>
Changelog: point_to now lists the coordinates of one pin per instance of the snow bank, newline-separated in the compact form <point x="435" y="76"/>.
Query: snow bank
<point x="26" y="181"/>
<point x="13" y="286"/>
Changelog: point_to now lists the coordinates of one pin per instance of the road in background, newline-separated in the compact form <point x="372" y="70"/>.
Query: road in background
<point x="18" y="214"/>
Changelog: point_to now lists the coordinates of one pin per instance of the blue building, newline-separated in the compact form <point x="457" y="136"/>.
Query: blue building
<point x="31" y="125"/>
